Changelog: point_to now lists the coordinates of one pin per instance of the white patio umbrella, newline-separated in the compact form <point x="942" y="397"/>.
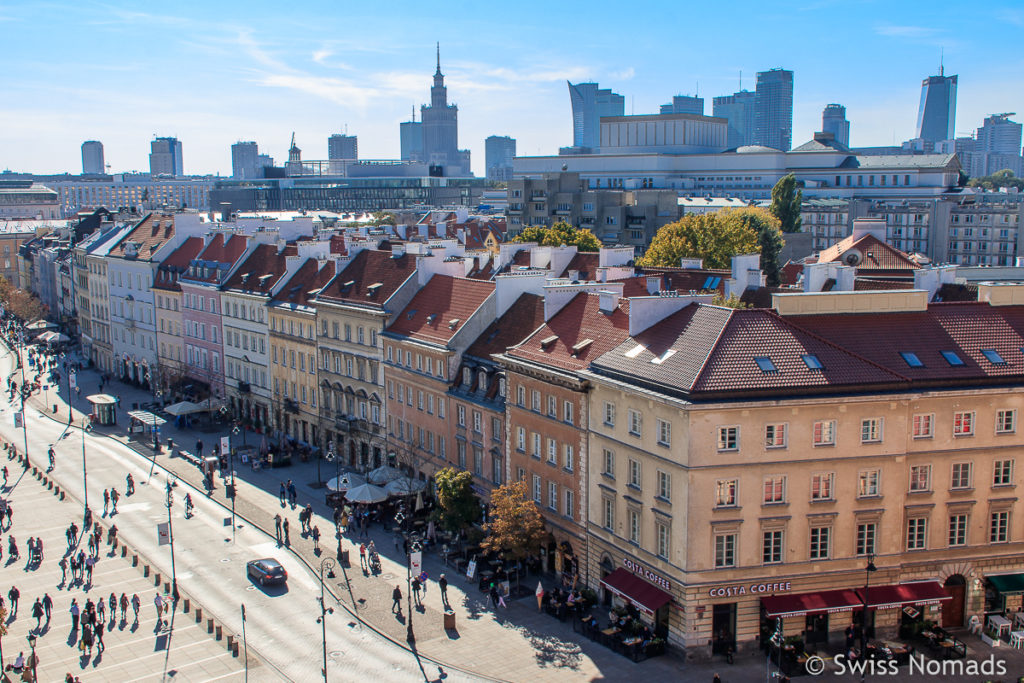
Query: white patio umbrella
<point x="404" y="486"/>
<point x="57" y="338"/>
<point x="347" y="480"/>
<point x="367" y="493"/>
<point x="40" y="325"/>
<point x="182" y="408"/>
<point x="383" y="475"/>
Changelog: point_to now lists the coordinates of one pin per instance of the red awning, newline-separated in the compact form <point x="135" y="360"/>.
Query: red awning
<point x="822" y="602"/>
<point x="898" y="595"/>
<point x="629" y="586"/>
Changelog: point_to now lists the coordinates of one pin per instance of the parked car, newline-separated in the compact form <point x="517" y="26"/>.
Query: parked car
<point x="266" y="571"/>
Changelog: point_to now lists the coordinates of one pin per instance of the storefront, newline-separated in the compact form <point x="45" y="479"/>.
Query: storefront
<point x="1003" y="593"/>
<point x="809" y="612"/>
<point x="628" y="589"/>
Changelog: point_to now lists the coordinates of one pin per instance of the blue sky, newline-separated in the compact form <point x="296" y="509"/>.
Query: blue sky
<point x="218" y="71"/>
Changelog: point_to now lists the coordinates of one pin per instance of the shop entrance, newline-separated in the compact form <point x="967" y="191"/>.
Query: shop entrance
<point x="816" y="629"/>
<point x="953" y="610"/>
<point x="723" y="628"/>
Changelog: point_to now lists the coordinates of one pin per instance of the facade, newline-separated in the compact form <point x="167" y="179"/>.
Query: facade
<point x="684" y="104"/>
<point x="13" y="234"/>
<point x="833" y="120"/>
<point x="936" y="115"/>
<point x="589" y="105"/>
<point x="92" y="157"/>
<point x="411" y="139"/>
<point x="165" y="157"/>
<point x="738" y="110"/>
<point x="123" y="191"/>
<point x="440" y="126"/>
<point x="26" y="199"/>
<point x="663" y="133"/>
<point x="98" y="344"/>
<point x="773" y="109"/>
<point x="997" y="146"/>
<point x="499" y="152"/>
<point x="245" y="161"/>
<point x="170" y="336"/>
<point x="343" y="147"/>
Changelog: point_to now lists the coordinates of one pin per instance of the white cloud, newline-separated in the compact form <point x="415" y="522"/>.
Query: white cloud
<point x="623" y="74"/>
<point x="894" y="31"/>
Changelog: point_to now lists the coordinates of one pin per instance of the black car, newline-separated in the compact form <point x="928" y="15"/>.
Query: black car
<point x="266" y="571"/>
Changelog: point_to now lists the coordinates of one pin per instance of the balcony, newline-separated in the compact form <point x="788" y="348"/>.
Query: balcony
<point x="290" y="406"/>
<point x="341" y="422"/>
<point x="244" y="387"/>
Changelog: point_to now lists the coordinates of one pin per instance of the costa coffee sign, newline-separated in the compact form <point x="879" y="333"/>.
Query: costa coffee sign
<point x="646" y="574"/>
<point x="753" y="588"/>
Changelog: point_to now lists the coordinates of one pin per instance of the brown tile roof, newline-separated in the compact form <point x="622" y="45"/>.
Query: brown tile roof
<point x="220" y="251"/>
<point x="176" y="263"/>
<point x="518" y="322"/>
<point x="790" y="273"/>
<point x="579" y="321"/>
<point x="585" y="262"/>
<point x="955" y="292"/>
<point x="370" y="279"/>
<point x="874" y="284"/>
<point x="150" y="233"/>
<point x="262" y="270"/>
<point x="441" y="308"/>
<point x="877" y="255"/>
<point x="303" y="286"/>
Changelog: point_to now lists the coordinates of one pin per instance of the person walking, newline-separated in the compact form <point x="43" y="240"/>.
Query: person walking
<point x="10" y="515"/>
<point x="38" y="612"/>
<point x="124" y="607"/>
<point x="6" y="475"/>
<point x="136" y="603"/>
<point x="199" y="448"/>
<point x="99" y="637"/>
<point x="106" y="501"/>
<point x="12" y="548"/>
<point x="86" y="644"/>
<point x="362" y="557"/>
<point x="292" y="493"/>
<point x="282" y="494"/>
<point x="396" y="600"/>
<point x="39" y="549"/>
<point x="129" y="485"/>
<point x="416" y="585"/>
<point x="114" y="496"/>
<point x="316" y="540"/>
<point x="67" y="535"/>
<point x="13" y="594"/>
<point x="101" y="610"/>
<point x="90" y="562"/>
<point x="158" y="602"/>
<point x="75" y="611"/>
<point x="442" y="583"/>
<point x="74" y="533"/>
<point x="47" y="606"/>
<point x="287" y="540"/>
<point x="277" y="529"/>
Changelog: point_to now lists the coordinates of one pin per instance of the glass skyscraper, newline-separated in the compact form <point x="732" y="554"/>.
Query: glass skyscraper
<point x="833" y="120"/>
<point x="589" y="104"/>
<point x="773" y="109"/>
<point x="937" y="114"/>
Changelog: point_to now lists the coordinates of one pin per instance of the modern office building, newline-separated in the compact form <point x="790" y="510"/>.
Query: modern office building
<point x="343" y="147"/>
<point x="833" y="120"/>
<point x="937" y="114"/>
<point x="245" y="160"/>
<point x="738" y="110"/>
<point x="684" y="104"/>
<point x="26" y="199"/>
<point x="92" y="157"/>
<point x="411" y="138"/>
<point x="140" y="192"/>
<point x="500" y="150"/>
<point x="440" y="126"/>
<point x="589" y="105"/>
<point x="165" y="157"/>
<point x="997" y="146"/>
<point x="773" y="109"/>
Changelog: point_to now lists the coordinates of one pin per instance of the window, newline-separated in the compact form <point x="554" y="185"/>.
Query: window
<point x="634" y="472"/>
<point x="1006" y="421"/>
<point x="867" y="483"/>
<point x="771" y="547"/>
<point x="951" y="358"/>
<point x="1002" y="473"/>
<point x="567" y="412"/>
<point x="728" y="438"/>
<point x="821" y="542"/>
<point x="461" y="455"/>
<point x="775" y="436"/>
<point x="609" y="414"/>
<point x="774" y="489"/>
<point x="725" y="493"/>
<point x="521" y="396"/>
<point x="634" y="527"/>
<point x="521" y="439"/>
<point x="664" y="433"/>
<point x="496" y="431"/>
<point x="999" y="527"/>
<point x="867" y="532"/>
<point x="958" y="529"/>
<point x="993" y="356"/>
<point x="609" y="462"/>
<point x="923" y="426"/>
<point x="961" y="478"/>
<point x="536" y="489"/>
<point x="608" y="514"/>
<point x="825" y="433"/>
<point x="963" y="423"/>
<point x="917" y="533"/>
<point x="478" y="461"/>
<point x="635" y="422"/>
<point x="552" y="495"/>
<point x="765" y="363"/>
<point x="552" y="409"/>
<point x="725" y="550"/>
<point x="536" y="445"/>
<point x="920" y="477"/>
<point x="567" y="457"/>
<point x="662" y="532"/>
<point x="478" y="422"/>
<point x="552" y="452"/>
<point x="911" y="359"/>
<point x="460" y="415"/>
<point x="535" y="398"/>
<point x="871" y="430"/>
<point x="664" y="485"/>
<point x="812" y="362"/>
<point x="567" y="496"/>
<point x="821" y="486"/>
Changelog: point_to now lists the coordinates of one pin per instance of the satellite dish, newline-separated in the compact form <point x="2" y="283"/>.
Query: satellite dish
<point x="853" y="257"/>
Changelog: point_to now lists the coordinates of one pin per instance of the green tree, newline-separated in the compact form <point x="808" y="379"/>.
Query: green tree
<point x="383" y="218"/>
<point x="787" y="199"/>
<point x="732" y="301"/>
<point x="714" y="237"/>
<point x="769" y="239"/>
<point x="516" y="529"/>
<point x="558" y="235"/>
<point x="997" y="181"/>
<point x="458" y="506"/>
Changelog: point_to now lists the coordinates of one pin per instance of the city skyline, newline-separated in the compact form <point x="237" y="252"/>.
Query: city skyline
<point x="211" y="60"/>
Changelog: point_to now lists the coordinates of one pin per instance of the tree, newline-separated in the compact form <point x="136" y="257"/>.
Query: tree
<point x="383" y="218"/>
<point x="516" y="529"/>
<point x="714" y="237"/>
<point x="998" y="180"/>
<point x="458" y="506"/>
<point x="732" y="301"/>
<point x="786" y="202"/>
<point x="769" y="239"/>
<point x="558" y="235"/>
<point x="20" y="303"/>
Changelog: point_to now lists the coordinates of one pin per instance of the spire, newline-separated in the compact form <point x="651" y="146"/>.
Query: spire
<point x="438" y="57"/>
<point x="293" y="139"/>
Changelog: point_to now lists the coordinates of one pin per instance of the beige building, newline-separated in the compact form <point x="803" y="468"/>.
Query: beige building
<point x="170" y="345"/>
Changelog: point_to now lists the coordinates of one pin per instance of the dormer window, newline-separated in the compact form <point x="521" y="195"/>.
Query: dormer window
<point x="482" y="384"/>
<point x="467" y="377"/>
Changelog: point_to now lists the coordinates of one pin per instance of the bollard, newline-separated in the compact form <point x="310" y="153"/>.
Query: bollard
<point x="209" y="625"/>
<point x="156" y="578"/>
<point x="187" y="604"/>
<point x="220" y="632"/>
<point x="124" y="551"/>
<point x="145" y="570"/>
<point x="135" y="560"/>
<point x="199" y="614"/>
<point x="49" y="484"/>
<point x="167" y="587"/>
<point x="234" y="650"/>
<point x="230" y="642"/>
<point x="62" y="495"/>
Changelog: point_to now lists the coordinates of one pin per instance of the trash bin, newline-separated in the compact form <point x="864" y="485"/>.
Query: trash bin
<point x="449" y="620"/>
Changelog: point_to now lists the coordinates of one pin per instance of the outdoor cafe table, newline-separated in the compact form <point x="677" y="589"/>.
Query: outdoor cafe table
<point x="999" y="623"/>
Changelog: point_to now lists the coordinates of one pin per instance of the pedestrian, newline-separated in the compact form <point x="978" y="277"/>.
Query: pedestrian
<point x="86" y="643"/>
<point x="158" y="602"/>
<point x="89" y="563"/>
<point x="114" y="496"/>
<point x="716" y="679"/>
<point x="31" y="543"/>
<point x="75" y="612"/>
<point x="37" y="612"/>
<point x="47" y="605"/>
<point x="90" y="613"/>
<point x="10" y="514"/>
<point x="362" y="557"/>
<point x="124" y="607"/>
<point x="292" y="493"/>
<point x="136" y="603"/>
<point x="67" y="535"/>
<point x="12" y="547"/>
<point x="199" y="448"/>
<point x="92" y="544"/>
<point x="277" y="528"/>
<point x="101" y="610"/>
<point x="396" y="599"/>
<point x="106" y="501"/>
<point x="442" y="583"/>
<point x="416" y="585"/>
<point x="316" y="539"/>
<point x="13" y="594"/>
<point x="88" y="520"/>
<point x="423" y="582"/>
<point x="74" y="533"/>
<point x="99" y="637"/>
<point x="112" y="537"/>
<point x="129" y="485"/>
<point x="281" y="494"/>
<point x="287" y="541"/>
<point x="39" y="549"/>
<point x="6" y="474"/>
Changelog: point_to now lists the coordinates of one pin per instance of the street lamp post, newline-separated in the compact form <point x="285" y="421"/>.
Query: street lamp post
<point x="86" y="427"/>
<point x="170" y="533"/>
<point x="24" y="416"/>
<point x="413" y="548"/>
<point x="332" y="457"/>
<point x="864" y="614"/>
<point x="326" y="565"/>
<point x="245" y="645"/>
<point x="32" y="645"/>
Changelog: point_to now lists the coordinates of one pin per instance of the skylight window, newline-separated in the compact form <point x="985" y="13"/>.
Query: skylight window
<point x="765" y="363"/>
<point x="911" y="358"/>
<point x="993" y="356"/>
<point x="951" y="358"/>
<point x="812" y="362"/>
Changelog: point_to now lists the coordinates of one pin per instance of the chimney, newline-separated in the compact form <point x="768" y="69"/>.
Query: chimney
<point x="609" y="301"/>
<point x="397" y="250"/>
<point x="653" y="284"/>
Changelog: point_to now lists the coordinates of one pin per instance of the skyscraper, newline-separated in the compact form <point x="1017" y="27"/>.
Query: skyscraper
<point x="343" y="147"/>
<point x="833" y="120"/>
<point x="738" y="110"/>
<point x="773" y="109"/>
<point x="684" y="104"/>
<point x="411" y="138"/>
<point x="92" y="157"/>
<point x="937" y="114"/>
<point x="245" y="161"/>
<point x="440" y="125"/>
<point x="997" y="146"/>
<point x="589" y="104"/>
<point x="499" y="150"/>
<point x="165" y="157"/>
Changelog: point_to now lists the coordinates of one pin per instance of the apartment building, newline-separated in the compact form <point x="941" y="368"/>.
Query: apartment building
<point x="170" y="347"/>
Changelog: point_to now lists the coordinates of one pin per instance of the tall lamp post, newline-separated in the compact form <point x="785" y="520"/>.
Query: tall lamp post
<point x="32" y="645"/>
<point x="24" y="417"/>
<point x="332" y="457"/>
<point x="170" y="532"/>
<point x="864" y="615"/>
<point x="86" y="427"/>
<point x="326" y="566"/>
<point x="414" y="547"/>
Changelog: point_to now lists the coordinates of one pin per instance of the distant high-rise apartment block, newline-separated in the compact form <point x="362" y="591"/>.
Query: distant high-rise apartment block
<point x="738" y="110"/>
<point x="684" y="104"/>
<point x="264" y="161"/>
<point x="92" y="157"/>
<point x="936" y="116"/>
<point x="997" y="146"/>
<point x="499" y="152"/>
<point x="165" y="157"/>
<point x="773" y="109"/>
<point x="245" y="161"/>
<point x="833" y="120"/>
<point x="589" y="104"/>
<point x="343" y="147"/>
<point x="411" y="137"/>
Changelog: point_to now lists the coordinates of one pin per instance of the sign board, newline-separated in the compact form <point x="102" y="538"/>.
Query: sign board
<point x="19" y="419"/>
<point x="471" y="569"/>
<point x="416" y="562"/>
<point x="73" y="380"/>
<point x="163" y="533"/>
<point x="225" y="445"/>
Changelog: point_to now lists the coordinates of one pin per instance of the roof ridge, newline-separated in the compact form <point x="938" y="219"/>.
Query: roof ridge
<point x="718" y="340"/>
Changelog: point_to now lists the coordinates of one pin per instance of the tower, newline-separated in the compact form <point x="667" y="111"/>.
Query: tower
<point x="589" y="104"/>
<point x="165" y="157"/>
<point x="833" y="120"/>
<point x="244" y="160"/>
<point x="738" y="110"/>
<point x="773" y="109"/>
<point x="936" y="115"/>
<point x="294" y="165"/>
<point x="92" y="157"/>
<point x="440" y="125"/>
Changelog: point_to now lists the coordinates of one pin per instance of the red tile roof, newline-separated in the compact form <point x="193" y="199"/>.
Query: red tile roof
<point x="265" y="260"/>
<point x="220" y="251"/>
<point x="580" y="320"/>
<point x="370" y="279"/>
<point x="303" y="286"/>
<point x="584" y="262"/>
<point x="440" y="308"/>
<point x="877" y="255"/>
<point x="518" y="322"/>
<point x="149" y="234"/>
<point x="177" y="262"/>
